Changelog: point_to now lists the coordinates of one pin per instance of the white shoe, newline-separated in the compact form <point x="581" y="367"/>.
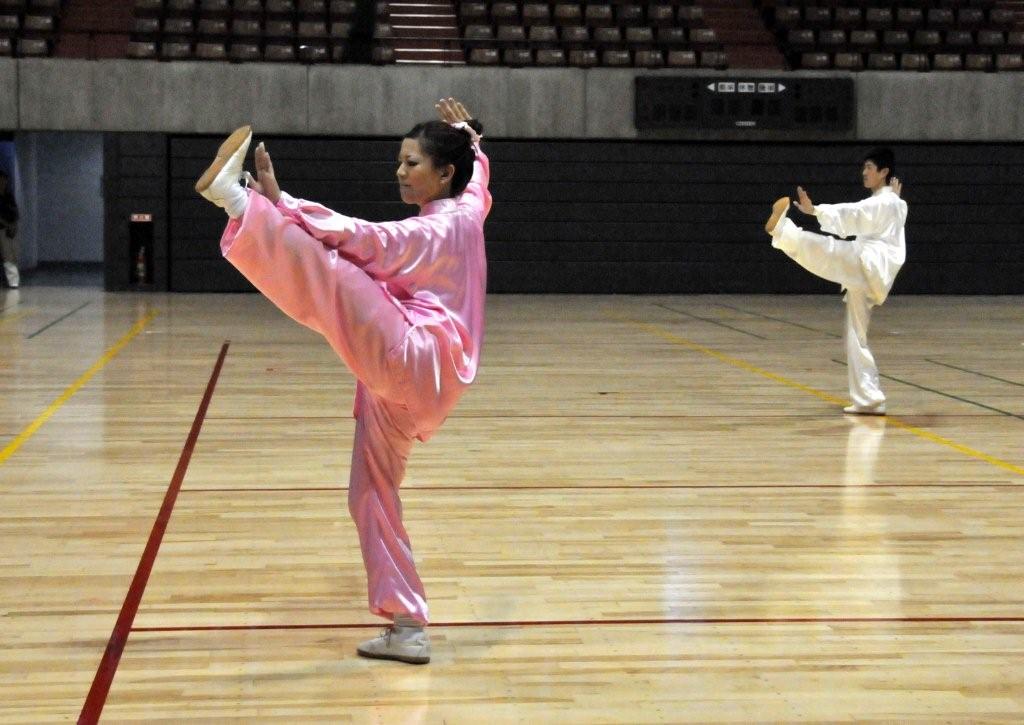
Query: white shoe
<point x="779" y="210"/>
<point x="865" y="410"/>
<point x="220" y="182"/>
<point x="13" y="278"/>
<point x="404" y="644"/>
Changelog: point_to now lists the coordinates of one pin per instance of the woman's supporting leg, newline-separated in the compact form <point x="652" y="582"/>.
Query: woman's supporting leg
<point x="384" y="436"/>
<point x="316" y="287"/>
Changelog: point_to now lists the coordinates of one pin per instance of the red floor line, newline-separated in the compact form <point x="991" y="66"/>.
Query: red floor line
<point x="612" y="416"/>
<point x="97" y="697"/>
<point x="698" y="486"/>
<point x="596" y="622"/>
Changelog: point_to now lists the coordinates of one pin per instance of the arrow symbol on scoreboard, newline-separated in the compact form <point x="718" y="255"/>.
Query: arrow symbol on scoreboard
<point x="781" y="88"/>
<point x="711" y="86"/>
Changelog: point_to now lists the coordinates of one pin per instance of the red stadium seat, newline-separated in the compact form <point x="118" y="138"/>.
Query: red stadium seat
<point x="639" y="35"/>
<point x="314" y="52"/>
<point x="848" y="61"/>
<point x="575" y="34"/>
<point x="211" y="51"/>
<point x="616" y="58"/>
<point x="542" y="34"/>
<point x="849" y="18"/>
<point x="896" y="39"/>
<point x="672" y="36"/>
<point x="832" y="39"/>
<point x="517" y="57"/>
<point x="648" y="59"/>
<point x="878" y="18"/>
<point x="882" y="61"/>
<point x="176" y="51"/>
<point x="978" y="62"/>
<point x="145" y="50"/>
<point x="662" y="15"/>
<point x="484" y="56"/>
<point x="244" y="52"/>
<point x="914" y="61"/>
<point x="948" y="61"/>
<point x="714" y="59"/>
<point x="512" y="33"/>
<point x="568" y="14"/>
<point x="551" y="57"/>
<point x="598" y="15"/>
<point x="1009" y="61"/>
<point x="681" y="59"/>
<point x="815" y="60"/>
<point x="536" y="14"/>
<point x="279" y="52"/>
<point x="473" y="12"/>
<point x="629" y="14"/>
<point x="478" y="32"/>
<point x="583" y="58"/>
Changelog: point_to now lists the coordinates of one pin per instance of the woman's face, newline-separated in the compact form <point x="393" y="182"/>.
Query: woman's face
<point x="419" y="181"/>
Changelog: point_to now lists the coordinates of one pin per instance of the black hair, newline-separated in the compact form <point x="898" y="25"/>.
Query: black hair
<point x="447" y="145"/>
<point x="883" y="158"/>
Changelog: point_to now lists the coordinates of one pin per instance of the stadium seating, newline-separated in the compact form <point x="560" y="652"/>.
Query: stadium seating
<point x="584" y="34"/>
<point x="976" y="35"/>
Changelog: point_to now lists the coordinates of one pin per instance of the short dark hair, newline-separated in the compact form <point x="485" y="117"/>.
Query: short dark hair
<point x="447" y="145"/>
<point x="883" y="158"/>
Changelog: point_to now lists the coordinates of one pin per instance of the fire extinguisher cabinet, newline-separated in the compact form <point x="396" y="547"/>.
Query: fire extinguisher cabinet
<point x="140" y="251"/>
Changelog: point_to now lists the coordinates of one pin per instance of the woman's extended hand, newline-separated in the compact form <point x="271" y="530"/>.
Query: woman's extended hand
<point x="452" y="111"/>
<point x="266" y="183"/>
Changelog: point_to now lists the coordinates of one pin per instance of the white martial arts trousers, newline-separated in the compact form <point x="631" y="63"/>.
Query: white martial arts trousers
<point x="839" y="261"/>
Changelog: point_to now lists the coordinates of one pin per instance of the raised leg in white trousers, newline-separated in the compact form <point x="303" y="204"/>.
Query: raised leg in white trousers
<point x="837" y="261"/>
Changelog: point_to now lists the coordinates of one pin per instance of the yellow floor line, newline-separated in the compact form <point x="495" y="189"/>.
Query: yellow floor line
<point x="895" y="422"/>
<point x="32" y="427"/>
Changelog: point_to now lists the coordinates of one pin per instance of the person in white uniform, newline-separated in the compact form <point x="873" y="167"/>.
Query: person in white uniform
<point x="866" y="267"/>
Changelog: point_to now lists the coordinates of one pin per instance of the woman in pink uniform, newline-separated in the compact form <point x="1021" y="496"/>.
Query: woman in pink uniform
<point x="402" y="304"/>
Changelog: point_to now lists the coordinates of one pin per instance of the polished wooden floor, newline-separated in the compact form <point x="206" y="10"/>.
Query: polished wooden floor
<point x="649" y="509"/>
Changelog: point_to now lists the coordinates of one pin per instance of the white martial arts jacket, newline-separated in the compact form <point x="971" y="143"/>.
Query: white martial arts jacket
<point x="877" y="222"/>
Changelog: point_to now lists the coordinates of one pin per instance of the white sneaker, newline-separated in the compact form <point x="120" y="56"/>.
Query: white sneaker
<point x="404" y="644"/>
<point x="779" y="210"/>
<point x="13" y="278"/>
<point x="220" y="182"/>
<point x="865" y="410"/>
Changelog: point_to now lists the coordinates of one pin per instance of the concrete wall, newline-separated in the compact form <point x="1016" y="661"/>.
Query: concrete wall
<point x="350" y="100"/>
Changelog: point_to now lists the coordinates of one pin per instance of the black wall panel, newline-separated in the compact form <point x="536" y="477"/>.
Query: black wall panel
<point x="135" y="178"/>
<point x="644" y="217"/>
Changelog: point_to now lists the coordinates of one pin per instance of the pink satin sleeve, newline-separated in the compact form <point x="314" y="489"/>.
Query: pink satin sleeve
<point x="477" y="195"/>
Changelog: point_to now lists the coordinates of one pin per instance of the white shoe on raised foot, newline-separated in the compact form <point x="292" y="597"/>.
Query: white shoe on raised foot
<point x="865" y="409"/>
<point x="403" y="644"/>
<point x="779" y="210"/>
<point x="220" y="182"/>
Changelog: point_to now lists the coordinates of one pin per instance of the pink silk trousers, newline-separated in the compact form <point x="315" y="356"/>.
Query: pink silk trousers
<point x="363" y="324"/>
